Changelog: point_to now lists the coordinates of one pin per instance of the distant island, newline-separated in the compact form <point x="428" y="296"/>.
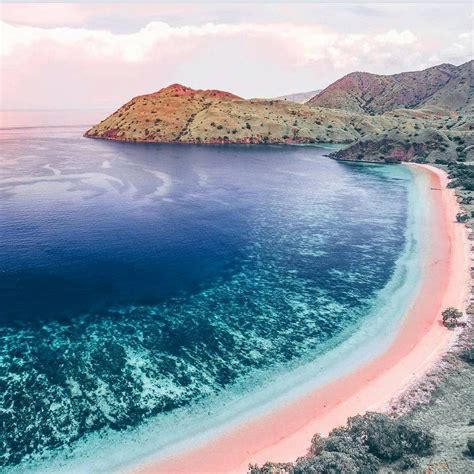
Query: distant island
<point x="300" y="97"/>
<point x="421" y="116"/>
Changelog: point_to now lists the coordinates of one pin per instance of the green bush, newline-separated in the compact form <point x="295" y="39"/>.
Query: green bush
<point x="327" y="463"/>
<point x="359" y="452"/>
<point x="470" y="447"/>
<point x="391" y="159"/>
<point x="389" y="439"/>
<point x="408" y="462"/>
<point x="467" y="355"/>
<point x="364" y="445"/>
<point x="462" y="176"/>
<point x="451" y="317"/>
<point x="272" y="468"/>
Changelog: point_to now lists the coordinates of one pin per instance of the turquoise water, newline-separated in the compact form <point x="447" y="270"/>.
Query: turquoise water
<point x="145" y="285"/>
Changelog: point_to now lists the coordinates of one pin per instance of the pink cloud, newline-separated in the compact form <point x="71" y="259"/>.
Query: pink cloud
<point x="69" y="65"/>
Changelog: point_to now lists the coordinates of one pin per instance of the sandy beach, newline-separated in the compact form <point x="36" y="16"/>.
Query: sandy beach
<point x="285" y="433"/>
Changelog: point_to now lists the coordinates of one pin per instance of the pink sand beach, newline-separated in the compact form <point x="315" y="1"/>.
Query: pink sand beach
<point x="285" y="433"/>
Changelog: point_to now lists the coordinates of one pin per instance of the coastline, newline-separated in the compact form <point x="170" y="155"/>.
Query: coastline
<point x="285" y="433"/>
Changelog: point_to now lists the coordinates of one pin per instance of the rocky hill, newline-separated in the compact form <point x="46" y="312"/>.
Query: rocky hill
<point x="458" y="94"/>
<point x="448" y="140"/>
<point x="181" y="114"/>
<point x="428" y="146"/>
<point x="446" y="86"/>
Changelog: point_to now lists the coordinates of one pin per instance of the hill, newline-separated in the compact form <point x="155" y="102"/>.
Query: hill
<point x="446" y="86"/>
<point x="181" y="114"/>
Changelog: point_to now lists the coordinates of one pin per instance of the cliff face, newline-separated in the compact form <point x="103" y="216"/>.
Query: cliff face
<point x="446" y="86"/>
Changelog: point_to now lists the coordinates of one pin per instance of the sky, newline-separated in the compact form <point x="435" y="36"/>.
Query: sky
<point x="99" y="55"/>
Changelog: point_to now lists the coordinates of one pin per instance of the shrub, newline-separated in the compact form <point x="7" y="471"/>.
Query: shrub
<point x="366" y="444"/>
<point x="271" y="468"/>
<point x="451" y="317"/>
<point x="467" y="355"/>
<point x="391" y="159"/>
<point x="327" y="463"/>
<point x="470" y="447"/>
<point x="359" y="452"/>
<point x="408" y="462"/>
<point x="389" y="439"/>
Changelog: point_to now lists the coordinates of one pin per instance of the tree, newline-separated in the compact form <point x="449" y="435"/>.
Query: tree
<point x="451" y="317"/>
<point x="462" y="217"/>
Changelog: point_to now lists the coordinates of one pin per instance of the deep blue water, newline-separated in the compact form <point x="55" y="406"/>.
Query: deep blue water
<point x="136" y="279"/>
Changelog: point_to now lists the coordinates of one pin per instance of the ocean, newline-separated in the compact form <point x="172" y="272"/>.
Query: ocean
<point x="173" y="287"/>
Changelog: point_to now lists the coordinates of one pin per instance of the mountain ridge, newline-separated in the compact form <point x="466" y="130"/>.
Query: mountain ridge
<point x="364" y="92"/>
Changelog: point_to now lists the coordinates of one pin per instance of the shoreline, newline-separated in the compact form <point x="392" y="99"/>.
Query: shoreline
<point x="285" y="433"/>
<point x="288" y="142"/>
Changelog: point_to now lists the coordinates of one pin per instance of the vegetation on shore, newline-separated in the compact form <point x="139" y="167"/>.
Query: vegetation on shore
<point x="452" y="318"/>
<point x="366" y="444"/>
<point x="436" y="434"/>
<point x="448" y="410"/>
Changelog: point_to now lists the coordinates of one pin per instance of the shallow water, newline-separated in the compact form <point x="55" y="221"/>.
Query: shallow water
<point x="137" y="280"/>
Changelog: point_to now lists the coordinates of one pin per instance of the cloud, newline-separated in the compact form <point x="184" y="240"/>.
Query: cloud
<point x="461" y="50"/>
<point x="42" y="65"/>
<point x="308" y="43"/>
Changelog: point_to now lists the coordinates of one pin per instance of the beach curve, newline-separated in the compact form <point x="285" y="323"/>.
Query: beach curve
<point x="285" y="433"/>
